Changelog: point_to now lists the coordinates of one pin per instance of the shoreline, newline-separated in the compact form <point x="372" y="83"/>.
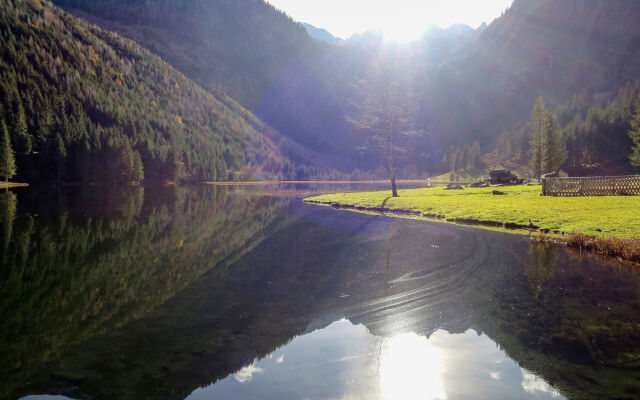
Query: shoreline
<point x="621" y="248"/>
<point x="9" y="185"/>
<point x="406" y="213"/>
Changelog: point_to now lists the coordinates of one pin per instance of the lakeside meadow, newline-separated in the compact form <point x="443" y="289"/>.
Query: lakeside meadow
<point x="607" y="224"/>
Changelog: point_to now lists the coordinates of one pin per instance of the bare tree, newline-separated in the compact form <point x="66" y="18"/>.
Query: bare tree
<point x="383" y="110"/>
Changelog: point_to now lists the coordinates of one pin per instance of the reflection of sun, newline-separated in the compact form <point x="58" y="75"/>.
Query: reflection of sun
<point x="411" y="368"/>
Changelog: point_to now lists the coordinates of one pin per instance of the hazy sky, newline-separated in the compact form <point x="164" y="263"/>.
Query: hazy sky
<point x="400" y="20"/>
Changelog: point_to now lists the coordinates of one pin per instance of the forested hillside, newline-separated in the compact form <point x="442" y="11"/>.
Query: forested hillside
<point x="268" y="62"/>
<point x="578" y="55"/>
<point x="465" y="85"/>
<point x="596" y="130"/>
<point x="237" y="45"/>
<point x="253" y="52"/>
<point x="83" y="104"/>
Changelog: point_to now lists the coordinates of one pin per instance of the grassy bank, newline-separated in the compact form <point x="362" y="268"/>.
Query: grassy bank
<point x="522" y="207"/>
<point x="5" y="185"/>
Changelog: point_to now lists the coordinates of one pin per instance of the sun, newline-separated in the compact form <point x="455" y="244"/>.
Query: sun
<point x="411" y="369"/>
<point x="401" y="33"/>
<point x="399" y="20"/>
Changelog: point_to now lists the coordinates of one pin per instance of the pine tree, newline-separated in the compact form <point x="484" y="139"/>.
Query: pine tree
<point x="453" y="160"/>
<point x="45" y="122"/>
<point x="465" y="158"/>
<point x="476" y="152"/>
<point x="59" y="154"/>
<point x="536" y="134"/>
<point x="21" y="135"/>
<point x="444" y="162"/>
<point x="7" y="158"/>
<point x="84" y="160"/>
<point x="138" y="167"/>
<point x="634" y="133"/>
<point x="459" y="164"/>
<point x="555" y="148"/>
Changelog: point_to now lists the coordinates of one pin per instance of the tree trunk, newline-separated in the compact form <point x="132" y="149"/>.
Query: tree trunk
<point x="392" y="169"/>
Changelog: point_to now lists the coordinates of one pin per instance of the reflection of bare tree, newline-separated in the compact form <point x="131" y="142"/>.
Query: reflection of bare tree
<point x="379" y="342"/>
<point x="541" y="267"/>
<point x="389" y="247"/>
<point x="8" y="205"/>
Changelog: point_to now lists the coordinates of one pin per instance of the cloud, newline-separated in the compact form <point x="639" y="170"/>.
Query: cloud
<point x="246" y="374"/>
<point x="531" y="384"/>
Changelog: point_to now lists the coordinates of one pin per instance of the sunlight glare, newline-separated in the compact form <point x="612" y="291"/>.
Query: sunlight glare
<point x="411" y="368"/>
<point x="400" y="33"/>
<point x="398" y="20"/>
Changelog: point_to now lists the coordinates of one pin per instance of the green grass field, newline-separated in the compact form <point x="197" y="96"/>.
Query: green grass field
<point x="610" y="216"/>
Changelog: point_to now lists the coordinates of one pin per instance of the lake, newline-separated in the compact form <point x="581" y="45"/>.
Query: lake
<point x="247" y="293"/>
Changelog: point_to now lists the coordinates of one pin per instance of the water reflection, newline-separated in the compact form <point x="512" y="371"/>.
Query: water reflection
<point x="346" y="361"/>
<point x="228" y="293"/>
<point x="8" y="201"/>
<point x="411" y="368"/>
<point x="45" y="397"/>
<point x="73" y="271"/>
<point x="543" y="258"/>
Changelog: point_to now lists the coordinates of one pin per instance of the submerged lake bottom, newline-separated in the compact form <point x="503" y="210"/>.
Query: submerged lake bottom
<point x="247" y="293"/>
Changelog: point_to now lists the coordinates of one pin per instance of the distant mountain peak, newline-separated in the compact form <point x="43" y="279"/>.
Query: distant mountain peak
<point x="322" y="35"/>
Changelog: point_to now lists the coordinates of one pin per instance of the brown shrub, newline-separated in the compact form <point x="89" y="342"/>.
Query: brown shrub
<point x="626" y="249"/>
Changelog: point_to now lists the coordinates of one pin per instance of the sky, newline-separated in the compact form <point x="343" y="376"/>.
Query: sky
<point x="399" y="20"/>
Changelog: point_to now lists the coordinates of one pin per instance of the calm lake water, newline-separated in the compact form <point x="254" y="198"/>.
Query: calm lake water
<point x="246" y="293"/>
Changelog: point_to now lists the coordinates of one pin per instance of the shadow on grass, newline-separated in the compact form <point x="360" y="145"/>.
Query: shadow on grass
<point x="384" y="202"/>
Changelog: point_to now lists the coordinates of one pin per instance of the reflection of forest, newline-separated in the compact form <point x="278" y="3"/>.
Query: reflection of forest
<point x="108" y="259"/>
<point x="571" y="321"/>
<point x="577" y="325"/>
<point x="8" y="203"/>
<point x="541" y="266"/>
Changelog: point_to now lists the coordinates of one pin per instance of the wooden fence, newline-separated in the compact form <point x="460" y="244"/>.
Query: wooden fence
<point x="592" y="186"/>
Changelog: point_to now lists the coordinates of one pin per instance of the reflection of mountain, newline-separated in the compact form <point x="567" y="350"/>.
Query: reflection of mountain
<point x="65" y="279"/>
<point x="571" y="321"/>
<point x="572" y="325"/>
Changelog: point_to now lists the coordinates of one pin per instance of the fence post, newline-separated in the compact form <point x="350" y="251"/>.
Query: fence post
<point x="580" y="187"/>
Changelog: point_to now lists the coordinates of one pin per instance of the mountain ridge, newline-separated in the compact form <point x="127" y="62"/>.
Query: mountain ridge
<point x="322" y="35"/>
<point x="471" y="84"/>
<point x="85" y="105"/>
